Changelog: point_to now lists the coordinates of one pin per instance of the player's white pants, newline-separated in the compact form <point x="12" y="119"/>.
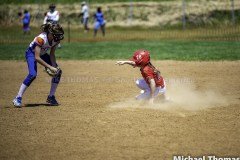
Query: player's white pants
<point x="146" y="91"/>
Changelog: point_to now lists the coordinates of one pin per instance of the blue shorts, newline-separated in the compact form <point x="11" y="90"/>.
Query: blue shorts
<point x="99" y="24"/>
<point x="26" y="27"/>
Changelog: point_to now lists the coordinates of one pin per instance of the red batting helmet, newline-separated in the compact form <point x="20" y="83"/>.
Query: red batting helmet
<point x="141" y="57"/>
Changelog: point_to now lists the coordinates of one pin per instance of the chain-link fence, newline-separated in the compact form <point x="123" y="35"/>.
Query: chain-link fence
<point x="175" y="19"/>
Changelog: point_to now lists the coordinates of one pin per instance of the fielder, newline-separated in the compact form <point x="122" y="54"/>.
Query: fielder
<point x="50" y="37"/>
<point x="152" y="84"/>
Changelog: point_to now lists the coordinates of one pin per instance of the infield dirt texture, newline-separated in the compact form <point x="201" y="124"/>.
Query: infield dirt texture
<point x="99" y="119"/>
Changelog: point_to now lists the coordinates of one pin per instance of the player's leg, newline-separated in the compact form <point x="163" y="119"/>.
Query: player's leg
<point x="24" y="28"/>
<point x="96" y="27"/>
<point x="141" y="83"/>
<point x="145" y="90"/>
<point x="85" y="22"/>
<point x="54" y="84"/>
<point x="28" y="28"/>
<point x="32" y="68"/>
<point x="103" y="29"/>
<point x="162" y="92"/>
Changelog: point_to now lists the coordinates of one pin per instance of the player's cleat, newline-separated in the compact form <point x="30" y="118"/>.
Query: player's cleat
<point x="17" y="102"/>
<point x="52" y="101"/>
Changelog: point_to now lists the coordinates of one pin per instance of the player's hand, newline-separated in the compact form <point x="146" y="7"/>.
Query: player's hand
<point x="120" y="63"/>
<point x="53" y="69"/>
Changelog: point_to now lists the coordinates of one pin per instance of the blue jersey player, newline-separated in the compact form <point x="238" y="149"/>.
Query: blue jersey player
<point x="26" y="22"/>
<point x="99" y="22"/>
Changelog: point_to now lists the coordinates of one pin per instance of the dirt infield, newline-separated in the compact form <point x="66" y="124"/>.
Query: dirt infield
<point x="99" y="119"/>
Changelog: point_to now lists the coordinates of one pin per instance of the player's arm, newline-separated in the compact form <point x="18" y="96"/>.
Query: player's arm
<point x="82" y="11"/>
<point x="42" y="62"/>
<point x="45" y="20"/>
<point x="152" y="89"/>
<point x="52" y="55"/>
<point x="132" y="63"/>
<point x="57" y="17"/>
<point x="81" y="14"/>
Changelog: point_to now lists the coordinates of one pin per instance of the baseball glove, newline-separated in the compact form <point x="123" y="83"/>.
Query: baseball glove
<point x="53" y="74"/>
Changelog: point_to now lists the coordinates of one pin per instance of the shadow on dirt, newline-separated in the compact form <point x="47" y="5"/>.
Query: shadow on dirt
<point x="37" y="105"/>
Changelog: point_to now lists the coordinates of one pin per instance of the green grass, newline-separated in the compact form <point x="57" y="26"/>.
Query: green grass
<point x="202" y="44"/>
<point x="160" y="50"/>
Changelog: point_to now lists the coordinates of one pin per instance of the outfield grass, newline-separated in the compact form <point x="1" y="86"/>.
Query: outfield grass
<point x="119" y="43"/>
<point x="160" y="50"/>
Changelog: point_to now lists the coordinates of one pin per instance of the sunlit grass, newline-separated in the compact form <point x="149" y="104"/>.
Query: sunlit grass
<point x="119" y="43"/>
<point x="160" y="50"/>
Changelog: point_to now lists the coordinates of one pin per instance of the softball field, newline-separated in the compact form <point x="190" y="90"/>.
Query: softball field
<point x="99" y="119"/>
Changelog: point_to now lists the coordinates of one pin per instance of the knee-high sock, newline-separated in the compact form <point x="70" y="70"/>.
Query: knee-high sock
<point x="22" y="90"/>
<point x="53" y="89"/>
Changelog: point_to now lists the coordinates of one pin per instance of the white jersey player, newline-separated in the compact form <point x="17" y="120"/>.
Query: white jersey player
<point x="52" y="15"/>
<point x="85" y="15"/>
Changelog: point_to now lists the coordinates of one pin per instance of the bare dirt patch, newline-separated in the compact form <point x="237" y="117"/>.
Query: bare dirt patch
<point x="99" y="119"/>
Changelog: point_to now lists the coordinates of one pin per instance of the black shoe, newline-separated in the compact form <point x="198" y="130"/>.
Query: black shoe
<point x="52" y="101"/>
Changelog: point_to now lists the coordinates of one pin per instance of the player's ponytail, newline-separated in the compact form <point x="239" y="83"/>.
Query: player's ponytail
<point x="155" y="69"/>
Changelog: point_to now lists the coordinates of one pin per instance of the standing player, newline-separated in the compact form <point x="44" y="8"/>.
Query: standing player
<point x="45" y="18"/>
<point x="26" y="21"/>
<point x="152" y="84"/>
<point x="37" y="52"/>
<point x="99" y="22"/>
<point x="52" y="15"/>
<point x="85" y="15"/>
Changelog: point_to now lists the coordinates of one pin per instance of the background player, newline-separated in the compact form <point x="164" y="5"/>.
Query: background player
<point x="152" y="84"/>
<point x="25" y="18"/>
<point x="37" y="52"/>
<point x="85" y="15"/>
<point x="99" y="22"/>
<point x="52" y="15"/>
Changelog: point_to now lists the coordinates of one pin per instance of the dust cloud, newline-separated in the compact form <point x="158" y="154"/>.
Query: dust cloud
<point x="182" y="96"/>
